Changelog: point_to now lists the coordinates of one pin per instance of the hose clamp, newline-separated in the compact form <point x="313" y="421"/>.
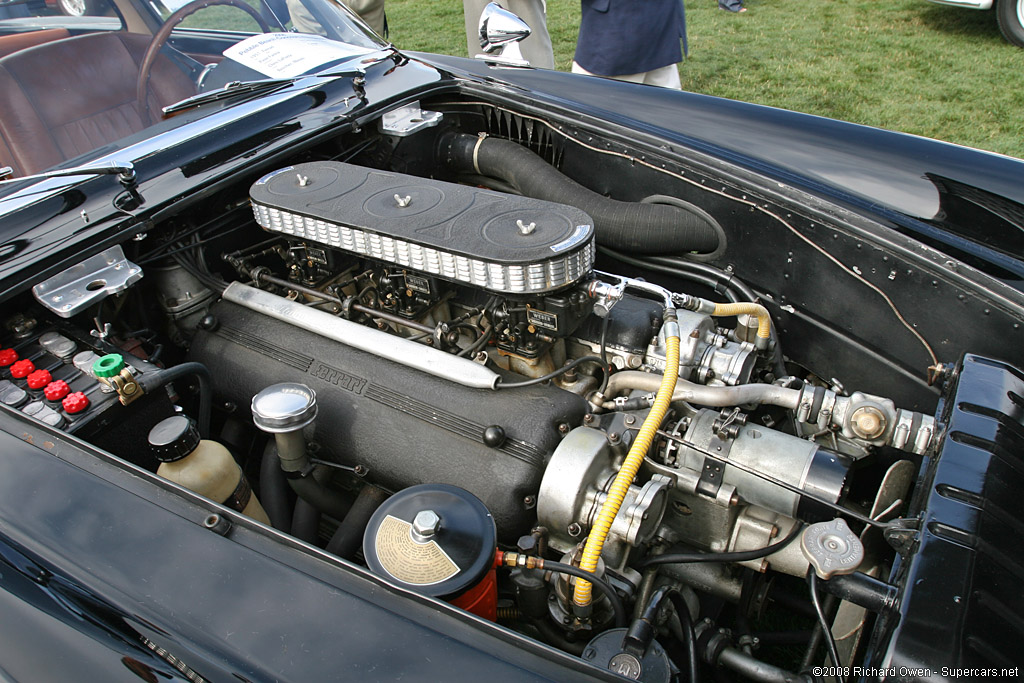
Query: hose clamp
<point x="476" y="152"/>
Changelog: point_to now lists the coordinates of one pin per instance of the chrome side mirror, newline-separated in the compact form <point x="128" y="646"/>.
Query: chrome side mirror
<point x="500" y="34"/>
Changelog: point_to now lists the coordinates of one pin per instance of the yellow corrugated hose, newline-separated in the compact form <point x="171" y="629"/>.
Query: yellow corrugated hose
<point x="764" y="321"/>
<point x="626" y="474"/>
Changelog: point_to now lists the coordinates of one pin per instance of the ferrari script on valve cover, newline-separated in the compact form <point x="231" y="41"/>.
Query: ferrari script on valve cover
<point x="320" y="359"/>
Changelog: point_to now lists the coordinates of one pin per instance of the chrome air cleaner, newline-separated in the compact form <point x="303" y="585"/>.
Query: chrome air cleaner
<point x="501" y="243"/>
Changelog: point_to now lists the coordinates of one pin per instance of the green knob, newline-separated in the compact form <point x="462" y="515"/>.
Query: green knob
<point x="109" y="365"/>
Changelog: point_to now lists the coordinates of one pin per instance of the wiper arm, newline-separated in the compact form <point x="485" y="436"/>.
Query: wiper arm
<point x="229" y="91"/>
<point x="247" y="87"/>
<point x="124" y="170"/>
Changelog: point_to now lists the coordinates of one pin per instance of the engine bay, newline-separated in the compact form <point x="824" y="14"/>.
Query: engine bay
<point x="468" y="356"/>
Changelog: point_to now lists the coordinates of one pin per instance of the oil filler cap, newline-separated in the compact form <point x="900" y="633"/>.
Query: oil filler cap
<point x="284" y="407"/>
<point x="174" y="438"/>
<point x="435" y="539"/>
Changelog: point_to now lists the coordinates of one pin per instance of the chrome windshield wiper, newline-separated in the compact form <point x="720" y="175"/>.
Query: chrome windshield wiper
<point x="229" y="91"/>
<point x="236" y="88"/>
<point x="124" y="170"/>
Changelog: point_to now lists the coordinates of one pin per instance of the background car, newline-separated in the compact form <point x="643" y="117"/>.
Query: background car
<point x="319" y="360"/>
<point x="1009" y="14"/>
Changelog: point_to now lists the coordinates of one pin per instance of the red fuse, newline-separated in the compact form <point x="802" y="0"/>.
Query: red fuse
<point x="23" y="368"/>
<point x="75" y="403"/>
<point x="39" y="379"/>
<point x="7" y="356"/>
<point x="55" y="391"/>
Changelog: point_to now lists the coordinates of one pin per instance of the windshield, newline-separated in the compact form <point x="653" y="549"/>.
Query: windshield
<point x="79" y="78"/>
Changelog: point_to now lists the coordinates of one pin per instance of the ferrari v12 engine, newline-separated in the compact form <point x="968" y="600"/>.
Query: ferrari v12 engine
<point x="400" y="336"/>
<point x="398" y="425"/>
<point x="403" y="413"/>
<point x="413" y="308"/>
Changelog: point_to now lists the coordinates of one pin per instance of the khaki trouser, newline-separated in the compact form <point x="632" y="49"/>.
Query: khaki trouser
<point x="370" y="11"/>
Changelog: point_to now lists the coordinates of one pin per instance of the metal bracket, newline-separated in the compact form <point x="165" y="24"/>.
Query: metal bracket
<point x="711" y="474"/>
<point x="726" y="428"/>
<point x="73" y="290"/>
<point x="409" y="119"/>
<point x="902" y="534"/>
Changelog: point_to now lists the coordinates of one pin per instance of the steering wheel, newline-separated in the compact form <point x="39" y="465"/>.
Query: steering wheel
<point x="160" y="39"/>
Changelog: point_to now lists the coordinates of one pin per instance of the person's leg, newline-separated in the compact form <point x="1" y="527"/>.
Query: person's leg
<point x="370" y="11"/>
<point x="472" y="9"/>
<point x="629" y="78"/>
<point x="536" y="48"/>
<point x="665" y="77"/>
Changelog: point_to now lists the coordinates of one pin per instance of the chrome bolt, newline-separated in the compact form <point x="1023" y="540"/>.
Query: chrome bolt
<point x="403" y="202"/>
<point x="525" y="229"/>
<point x="425" y="525"/>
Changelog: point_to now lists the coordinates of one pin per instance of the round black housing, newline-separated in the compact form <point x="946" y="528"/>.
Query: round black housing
<point x="435" y="539"/>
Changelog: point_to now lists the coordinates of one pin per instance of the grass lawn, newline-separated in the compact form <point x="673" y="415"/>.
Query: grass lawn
<point x="906" y="65"/>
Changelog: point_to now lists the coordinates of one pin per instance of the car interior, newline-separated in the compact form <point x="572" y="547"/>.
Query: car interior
<point x="69" y="91"/>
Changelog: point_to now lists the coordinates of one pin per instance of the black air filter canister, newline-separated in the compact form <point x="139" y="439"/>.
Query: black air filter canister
<point x="437" y="540"/>
<point x="497" y="242"/>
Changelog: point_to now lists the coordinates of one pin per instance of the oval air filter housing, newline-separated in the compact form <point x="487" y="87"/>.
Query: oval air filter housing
<point x="498" y="242"/>
<point x="435" y="539"/>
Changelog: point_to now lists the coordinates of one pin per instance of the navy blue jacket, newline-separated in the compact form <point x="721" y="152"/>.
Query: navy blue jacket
<point x="620" y="37"/>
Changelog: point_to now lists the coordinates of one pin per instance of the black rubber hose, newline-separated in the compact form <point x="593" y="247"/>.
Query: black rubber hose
<point x="305" y="522"/>
<point x="319" y="496"/>
<point x="689" y="635"/>
<point x="627" y="226"/>
<point x="724" y="279"/>
<point x="734" y="556"/>
<point x="154" y="380"/>
<point x="723" y="242"/>
<point x="864" y="590"/>
<point x="676" y="269"/>
<point x="348" y="537"/>
<point x="274" y="490"/>
<point x="600" y="584"/>
<point x="826" y="627"/>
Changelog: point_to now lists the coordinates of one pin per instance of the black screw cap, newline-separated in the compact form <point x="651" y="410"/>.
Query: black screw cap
<point x="174" y="438"/>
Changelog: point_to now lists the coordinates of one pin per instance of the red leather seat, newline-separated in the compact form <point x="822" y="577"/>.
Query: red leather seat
<point x="68" y="97"/>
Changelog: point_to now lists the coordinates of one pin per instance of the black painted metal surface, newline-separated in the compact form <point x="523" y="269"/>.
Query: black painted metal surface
<point x="108" y="574"/>
<point x="961" y="602"/>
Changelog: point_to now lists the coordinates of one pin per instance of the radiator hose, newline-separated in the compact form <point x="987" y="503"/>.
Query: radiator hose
<point x="632" y="227"/>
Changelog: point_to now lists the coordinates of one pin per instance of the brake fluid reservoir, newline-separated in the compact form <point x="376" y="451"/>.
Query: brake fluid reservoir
<point x="437" y="540"/>
<point x="202" y="466"/>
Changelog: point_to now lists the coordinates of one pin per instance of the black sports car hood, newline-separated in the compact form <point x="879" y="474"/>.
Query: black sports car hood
<point x="956" y="198"/>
